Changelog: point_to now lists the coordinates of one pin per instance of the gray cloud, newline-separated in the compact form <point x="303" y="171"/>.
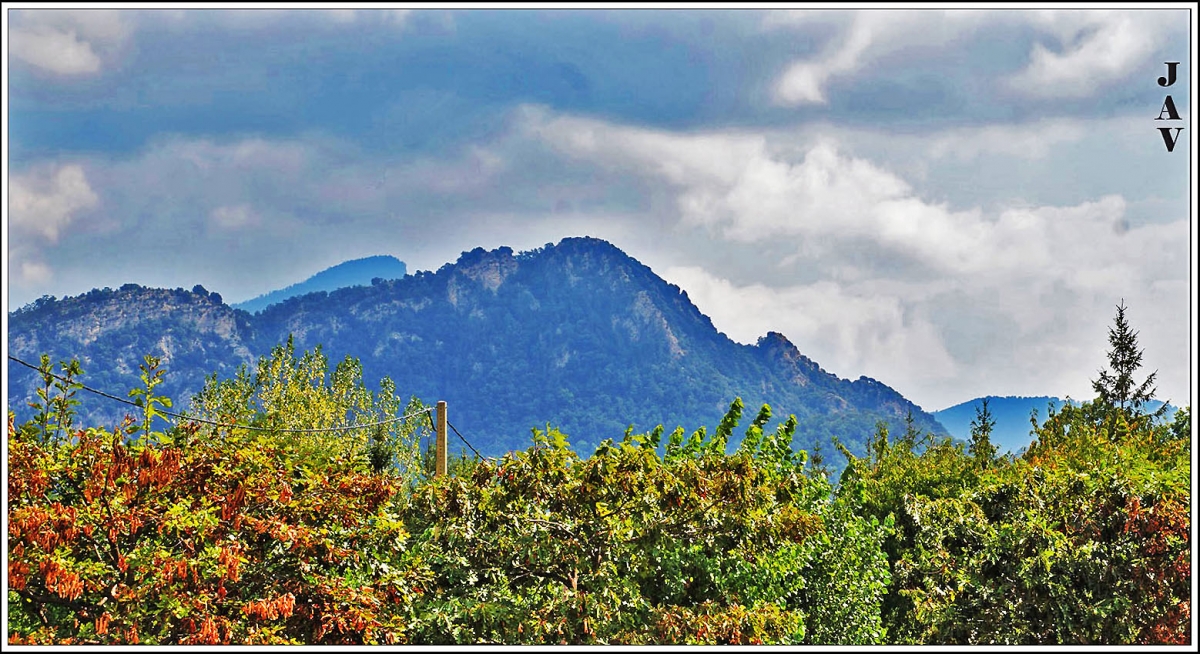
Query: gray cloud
<point x="1053" y="271"/>
<point x="1075" y="54"/>
<point x="68" y="42"/>
<point x="977" y="248"/>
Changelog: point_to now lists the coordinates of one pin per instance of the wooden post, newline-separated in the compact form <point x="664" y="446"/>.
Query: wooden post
<point x="439" y="456"/>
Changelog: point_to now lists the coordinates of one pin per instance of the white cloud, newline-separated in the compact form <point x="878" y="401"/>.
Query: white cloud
<point x="55" y="51"/>
<point x="1027" y="141"/>
<point x="907" y="282"/>
<point x="868" y="35"/>
<point x="68" y="42"/>
<point x="736" y="184"/>
<point x="1095" y="49"/>
<point x="261" y="18"/>
<point x="803" y="82"/>
<point x="850" y="330"/>
<point x="234" y="217"/>
<point x="34" y="273"/>
<point x="1088" y="49"/>
<point x="45" y="201"/>
<point x="817" y="196"/>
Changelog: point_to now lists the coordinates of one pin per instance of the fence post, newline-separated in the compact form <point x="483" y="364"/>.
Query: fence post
<point x="439" y="456"/>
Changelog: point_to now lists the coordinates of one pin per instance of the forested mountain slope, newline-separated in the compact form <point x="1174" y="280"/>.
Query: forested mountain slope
<point x="578" y="335"/>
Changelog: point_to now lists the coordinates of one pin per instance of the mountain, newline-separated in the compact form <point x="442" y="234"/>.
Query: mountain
<point x="357" y="272"/>
<point x="1012" y="430"/>
<point x="109" y="331"/>
<point x="577" y="334"/>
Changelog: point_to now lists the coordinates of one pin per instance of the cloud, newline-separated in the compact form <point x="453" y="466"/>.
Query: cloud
<point x="1096" y="48"/>
<point x="1028" y="141"/>
<point x="234" y="217"/>
<point x="752" y="190"/>
<point x="803" y="82"/>
<point x="35" y="273"/>
<point x="342" y="15"/>
<point x="850" y="330"/>
<point x="867" y="36"/>
<point x="44" y="202"/>
<point x="737" y="184"/>
<point x="905" y="286"/>
<point x="263" y="19"/>
<point x="1077" y="52"/>
<point x="396" y="16"/>
<point x="68" y="42"/>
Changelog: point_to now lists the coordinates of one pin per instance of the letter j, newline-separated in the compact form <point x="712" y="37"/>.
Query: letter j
<point x="1170" y="78"/>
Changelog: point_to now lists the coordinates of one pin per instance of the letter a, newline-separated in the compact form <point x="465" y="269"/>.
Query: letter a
<point x="1168" y="108"/>
<point x="1166" y="133"/>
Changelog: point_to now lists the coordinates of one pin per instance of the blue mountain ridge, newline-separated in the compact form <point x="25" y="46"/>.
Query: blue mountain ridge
<point x="356" y="272"/>
<point x="576" y="334"/>
<point x="1011" y="413"/>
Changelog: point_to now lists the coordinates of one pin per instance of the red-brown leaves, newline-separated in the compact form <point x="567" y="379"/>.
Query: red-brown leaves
<point x="271" y="609"/>
<point x="102" y="623"/>
<point x="233" y="502"/>
<point x="228" y="557"/>
<point x="60" y="581"/>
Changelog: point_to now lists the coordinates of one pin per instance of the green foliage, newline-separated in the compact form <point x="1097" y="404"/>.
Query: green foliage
<point x="1083" y="540"/>
<point x="54" y="413"/>
<point x="1116" y="389"/>
<point x="145" y="397"/>
<point x="280" y="530"/>
<point x="626" y="546"/>
<point x="309" y="407"/>
<point x="206" y="535"/>
<point x="981" y="446"/>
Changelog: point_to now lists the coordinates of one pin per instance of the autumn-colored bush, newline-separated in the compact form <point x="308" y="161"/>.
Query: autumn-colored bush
<point x="272" y="533"/>
<point x="1084" y="539"/>
<point x="692" y="545"/>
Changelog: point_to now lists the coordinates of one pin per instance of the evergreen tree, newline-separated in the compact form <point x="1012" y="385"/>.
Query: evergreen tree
<point x="981" y="446"/>
<point x="1116" y="389"/>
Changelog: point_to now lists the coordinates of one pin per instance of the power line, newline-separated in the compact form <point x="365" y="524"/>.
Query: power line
<point x="221" y="424"/>
<point x="465" y="440"/>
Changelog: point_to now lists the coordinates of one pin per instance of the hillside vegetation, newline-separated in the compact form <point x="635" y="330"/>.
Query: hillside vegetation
<point x="249" y="522"/>
<point x="577" y="334"/>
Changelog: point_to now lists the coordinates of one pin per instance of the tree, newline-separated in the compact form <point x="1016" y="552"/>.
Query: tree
<point x="981" y="446"/>
<point x="1116" y="388"/>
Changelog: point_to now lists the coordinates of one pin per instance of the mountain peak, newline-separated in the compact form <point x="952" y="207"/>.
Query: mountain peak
<point x="777" y="340"/>
<point x="355" y="272"/>
<point x="587" y="243"/>
<point x="577" y="334"/>
<point x="489" y="268"/>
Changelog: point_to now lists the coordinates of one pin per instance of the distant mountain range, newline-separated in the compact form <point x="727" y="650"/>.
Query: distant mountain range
<point x="578" y="335"/>
<point x="357" y="272"/>
<point x="1012" y="431"/>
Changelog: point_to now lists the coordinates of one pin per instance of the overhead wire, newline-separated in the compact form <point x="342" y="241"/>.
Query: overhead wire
<point x="221" y="424"/>
<point x="464" y="439"/>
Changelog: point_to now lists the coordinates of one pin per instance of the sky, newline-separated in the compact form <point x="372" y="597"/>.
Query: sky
<point x="951" y="201"/>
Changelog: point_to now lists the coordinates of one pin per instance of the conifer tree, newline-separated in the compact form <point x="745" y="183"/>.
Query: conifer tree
<point x="981" y="446"/>
<point x="1116" y="388"/>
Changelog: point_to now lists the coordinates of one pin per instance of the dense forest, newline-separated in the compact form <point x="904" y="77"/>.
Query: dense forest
<point x="576" y="333"/>
<point x="293" y="504"/>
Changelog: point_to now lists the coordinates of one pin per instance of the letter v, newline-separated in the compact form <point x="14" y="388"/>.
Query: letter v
<point x="1166" y="134"/>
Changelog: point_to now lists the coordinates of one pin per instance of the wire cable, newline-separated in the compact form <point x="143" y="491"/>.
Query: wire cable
<point x="222" y="424"/>
<point x="466" y="441"/>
